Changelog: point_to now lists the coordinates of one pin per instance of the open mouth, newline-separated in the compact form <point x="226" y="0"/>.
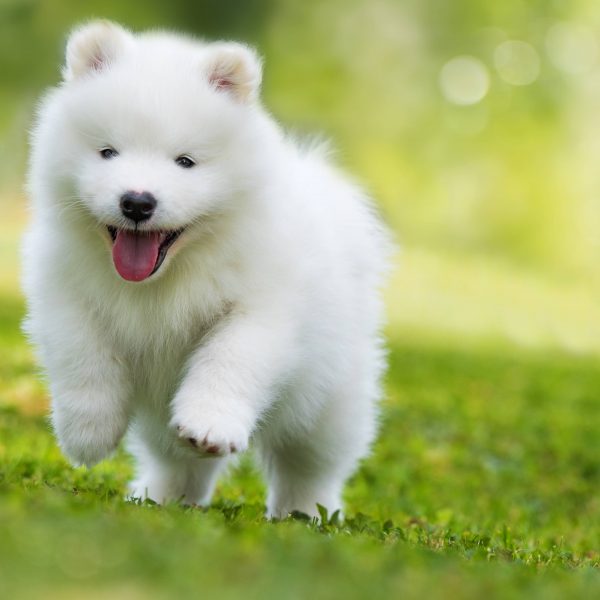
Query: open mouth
<point x="139" y="254"/>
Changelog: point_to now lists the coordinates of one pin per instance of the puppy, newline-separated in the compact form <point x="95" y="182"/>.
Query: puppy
<point x="195" y="278"/>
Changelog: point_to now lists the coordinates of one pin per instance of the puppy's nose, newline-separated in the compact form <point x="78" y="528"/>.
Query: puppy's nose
<point x="138" y="206"/>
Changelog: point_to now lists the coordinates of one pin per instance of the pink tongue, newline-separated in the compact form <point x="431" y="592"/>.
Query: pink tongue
<point x="135" y="254"/>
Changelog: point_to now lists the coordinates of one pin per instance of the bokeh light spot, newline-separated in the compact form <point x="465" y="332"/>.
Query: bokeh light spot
<point x="572" y="48"/>
<point x="517" y="62"/>
<point x="464" y="80"/>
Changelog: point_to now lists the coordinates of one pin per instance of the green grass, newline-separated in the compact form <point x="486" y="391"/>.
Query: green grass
<point x="484" y="481"/>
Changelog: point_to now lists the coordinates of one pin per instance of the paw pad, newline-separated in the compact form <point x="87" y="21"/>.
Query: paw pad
<point x="216" y="439"/>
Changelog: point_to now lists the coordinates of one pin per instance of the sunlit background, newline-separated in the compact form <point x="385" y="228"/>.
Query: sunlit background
<point x="475" y="126"/>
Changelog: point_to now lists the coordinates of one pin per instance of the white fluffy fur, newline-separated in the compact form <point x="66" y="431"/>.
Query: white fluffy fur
<point x="263" y="321"/>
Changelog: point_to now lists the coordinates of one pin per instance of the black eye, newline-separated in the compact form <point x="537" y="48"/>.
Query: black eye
<point x="185" y="162"/>
<point x="108" y="153"/>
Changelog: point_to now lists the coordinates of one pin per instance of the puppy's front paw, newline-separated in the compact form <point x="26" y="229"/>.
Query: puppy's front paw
<point x="86" y="440"/>
<point x="212" y="435"/>
<point x="87" y="446"/>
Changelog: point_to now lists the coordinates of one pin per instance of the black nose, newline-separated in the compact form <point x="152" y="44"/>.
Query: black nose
<point x="138" y="206"/>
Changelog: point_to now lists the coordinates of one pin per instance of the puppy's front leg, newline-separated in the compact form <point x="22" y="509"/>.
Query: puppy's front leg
<point x="90" y="390"/>
<point x="229" y="381"/>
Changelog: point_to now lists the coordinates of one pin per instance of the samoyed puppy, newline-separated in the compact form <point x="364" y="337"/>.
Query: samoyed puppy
<point x="195" y="278"/>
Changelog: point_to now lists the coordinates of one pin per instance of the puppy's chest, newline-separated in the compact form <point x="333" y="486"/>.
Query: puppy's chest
<point x="155" y="335"/>
<point x="155" y="323"/>
<point x="157" y="364"/>
<point x="155" y="376"/>
<point x="154" y="343"/>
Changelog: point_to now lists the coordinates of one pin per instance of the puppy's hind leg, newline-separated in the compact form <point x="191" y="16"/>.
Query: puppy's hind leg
<point x="163" y="479"/>
<point x="310" y="467"/>
<point x="299" y="480"/>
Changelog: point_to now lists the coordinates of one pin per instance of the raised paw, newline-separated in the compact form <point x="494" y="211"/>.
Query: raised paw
<point x="214" y="439"/>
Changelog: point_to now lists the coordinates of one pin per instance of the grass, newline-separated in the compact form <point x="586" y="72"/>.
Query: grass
<point x="484" y="481"/>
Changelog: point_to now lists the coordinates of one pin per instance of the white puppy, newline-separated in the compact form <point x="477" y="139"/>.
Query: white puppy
<point x="196" y="278"/>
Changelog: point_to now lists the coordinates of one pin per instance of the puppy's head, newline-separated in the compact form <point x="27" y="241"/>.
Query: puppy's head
<point x="157" y="134"/>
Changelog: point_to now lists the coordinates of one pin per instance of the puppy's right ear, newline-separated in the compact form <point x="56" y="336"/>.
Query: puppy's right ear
<point x="93" y="47"/>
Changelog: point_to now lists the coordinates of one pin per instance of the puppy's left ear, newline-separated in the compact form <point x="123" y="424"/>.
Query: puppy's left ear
<point x="233" y="69"/>
<point x="94" y="47"/>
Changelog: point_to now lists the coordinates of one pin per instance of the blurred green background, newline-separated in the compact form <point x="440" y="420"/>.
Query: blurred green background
<point x="476" y="127"/>
<point x="473" y="124"/>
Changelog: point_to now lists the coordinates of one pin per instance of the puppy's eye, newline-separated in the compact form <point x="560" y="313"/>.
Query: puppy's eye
<point x="184" y="161"/>
<point x="108" y="153"/>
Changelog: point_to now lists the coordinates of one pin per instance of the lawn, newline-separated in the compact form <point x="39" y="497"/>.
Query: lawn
<point x="484" y="480"/>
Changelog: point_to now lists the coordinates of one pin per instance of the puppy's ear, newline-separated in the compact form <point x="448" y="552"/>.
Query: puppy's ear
<point x="93" y="47"/>
<point x="233" y="69"/>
